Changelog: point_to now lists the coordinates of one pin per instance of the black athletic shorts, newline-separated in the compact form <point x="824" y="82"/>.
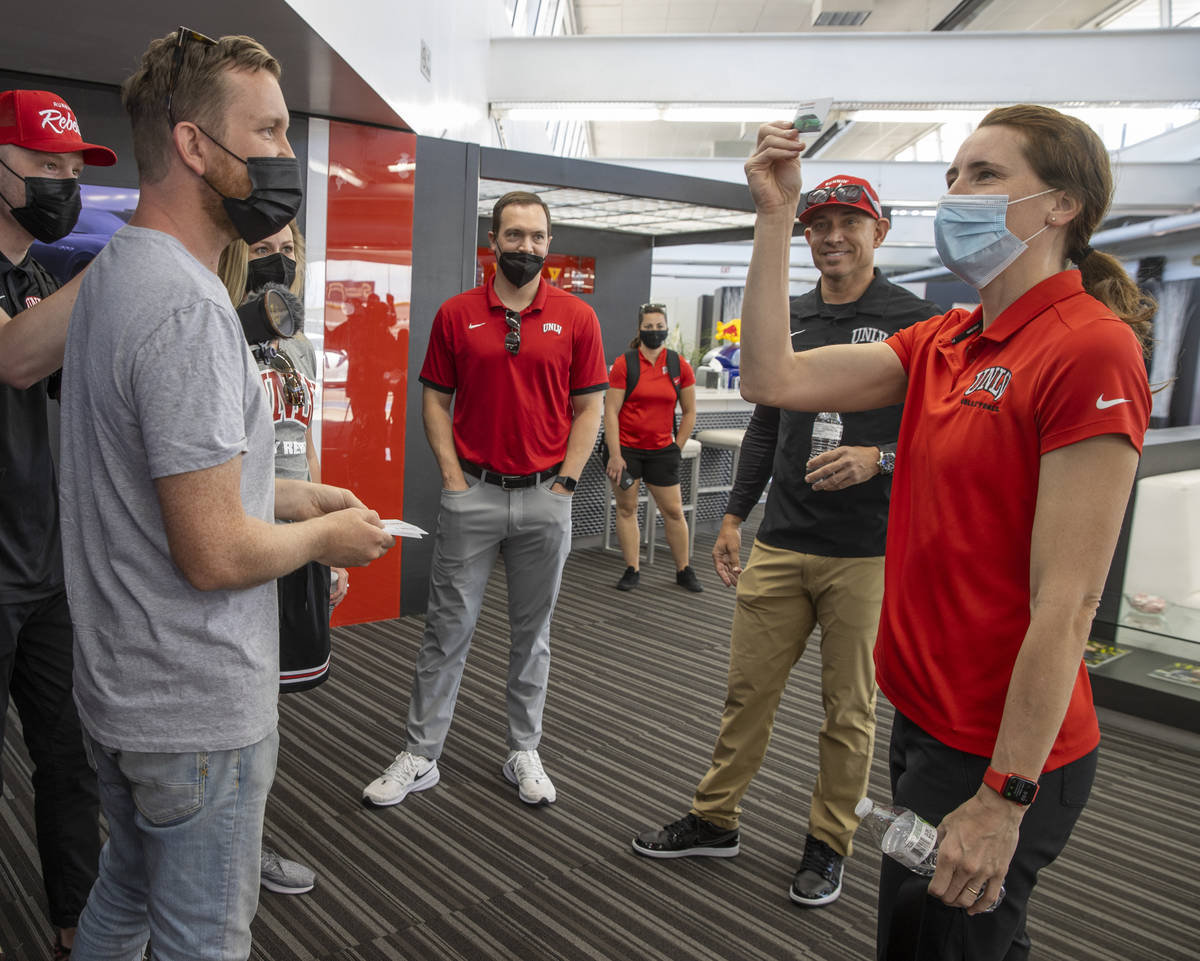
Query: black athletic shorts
<point x="657" y="467"/>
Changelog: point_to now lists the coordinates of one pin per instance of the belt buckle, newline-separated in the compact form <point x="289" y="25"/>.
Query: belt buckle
<point x="505" y="480"/>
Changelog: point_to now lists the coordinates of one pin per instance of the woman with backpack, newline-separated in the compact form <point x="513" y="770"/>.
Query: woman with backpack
<point x="645" y="384"/>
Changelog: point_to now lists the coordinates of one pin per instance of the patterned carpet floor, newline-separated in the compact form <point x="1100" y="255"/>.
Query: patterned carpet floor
<point x="465" y="872"/>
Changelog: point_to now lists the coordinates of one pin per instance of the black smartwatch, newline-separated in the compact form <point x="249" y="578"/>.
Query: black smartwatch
<point x="569" y="483"/>
<point x="1011" y="787"/>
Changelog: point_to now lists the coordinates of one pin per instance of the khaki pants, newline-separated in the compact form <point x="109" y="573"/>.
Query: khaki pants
<point x="780" y="596"/>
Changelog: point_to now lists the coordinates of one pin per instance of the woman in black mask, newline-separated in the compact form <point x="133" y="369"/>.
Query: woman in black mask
<point x="645" y="384"/>
<point x="291" y="384"/>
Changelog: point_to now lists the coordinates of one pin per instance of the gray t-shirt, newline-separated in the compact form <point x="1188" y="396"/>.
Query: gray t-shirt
<point x="158" y="381"/>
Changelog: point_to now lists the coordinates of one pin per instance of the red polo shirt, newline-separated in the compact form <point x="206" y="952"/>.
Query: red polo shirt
<point x="648" y="417"/>
<point x="981" y="409"/>
<point x="512" y="412"/>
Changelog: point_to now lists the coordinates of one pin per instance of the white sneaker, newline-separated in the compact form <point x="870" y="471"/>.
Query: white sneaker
<point x="524" y="769"/>
<point x="409" y="772"/>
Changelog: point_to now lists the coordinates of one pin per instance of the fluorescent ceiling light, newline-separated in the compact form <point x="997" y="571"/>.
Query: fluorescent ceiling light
<point x="645" y="112"/>
<point x="917" y="116"/>
<point x="739" y="113"/>
<point x="545" y="112"/>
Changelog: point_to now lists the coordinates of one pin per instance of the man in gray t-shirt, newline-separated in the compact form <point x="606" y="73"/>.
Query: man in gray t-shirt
<point x="168" y="510"/>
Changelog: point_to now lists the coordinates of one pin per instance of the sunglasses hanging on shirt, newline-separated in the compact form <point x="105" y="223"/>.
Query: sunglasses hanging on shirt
<point x="512" y="339"/>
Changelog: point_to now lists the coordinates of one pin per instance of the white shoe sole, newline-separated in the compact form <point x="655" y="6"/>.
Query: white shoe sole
<point x="283" y="889"/>
<point x="725" y="852"/>
<point x="422" y="783"/>
<point x="511" y="776"/>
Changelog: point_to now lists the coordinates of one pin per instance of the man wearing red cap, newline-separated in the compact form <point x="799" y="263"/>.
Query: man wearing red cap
<point x="41" y="156"/>
<point x="817" y="559"/>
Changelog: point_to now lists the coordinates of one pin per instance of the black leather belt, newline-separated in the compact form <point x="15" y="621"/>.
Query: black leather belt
<point x="509" y="482"/>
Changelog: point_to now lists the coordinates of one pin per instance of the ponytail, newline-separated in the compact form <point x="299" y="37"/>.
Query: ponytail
<point x="1106" y="280"/>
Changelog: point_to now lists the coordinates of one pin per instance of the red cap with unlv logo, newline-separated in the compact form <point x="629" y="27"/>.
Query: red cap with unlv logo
<point x="844" y="191"/>
<point x="40" y="120"/>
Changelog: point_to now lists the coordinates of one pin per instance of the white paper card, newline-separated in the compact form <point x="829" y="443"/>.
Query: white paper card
<point x="403" y="529"/>
<point x="810" y="116"/>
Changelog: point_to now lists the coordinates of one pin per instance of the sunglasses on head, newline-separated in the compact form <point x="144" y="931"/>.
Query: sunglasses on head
<point x="845" y="194"/>
<point x="182" y="37"/>
<point x="652" y="309"/>
<point x="512" y="339"/>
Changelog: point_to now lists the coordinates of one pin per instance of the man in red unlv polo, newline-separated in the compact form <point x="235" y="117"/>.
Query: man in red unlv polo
<point x="41" y="157"/>
<point x="522" y="364"/>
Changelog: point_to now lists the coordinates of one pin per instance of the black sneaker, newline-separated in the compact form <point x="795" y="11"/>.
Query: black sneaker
<point x="819" y="879"/>
<point x="687" y="578"/>
<point x="689" y="837"/>
<point x="629" y="580"/>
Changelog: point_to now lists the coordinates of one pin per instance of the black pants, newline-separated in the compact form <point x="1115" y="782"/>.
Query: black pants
<point x="35" y="667"/>
<point x="933" y="780"/>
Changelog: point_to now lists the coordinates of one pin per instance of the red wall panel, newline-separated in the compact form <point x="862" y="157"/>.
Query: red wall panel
<point x="368" y="279"/>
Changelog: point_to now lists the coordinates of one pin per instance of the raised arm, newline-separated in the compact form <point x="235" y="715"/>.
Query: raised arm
<point x="1082" y="492"/>
<point x="842" y="377"/>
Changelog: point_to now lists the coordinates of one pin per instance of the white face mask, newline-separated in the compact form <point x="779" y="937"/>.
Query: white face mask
<point x="972" y="237"/>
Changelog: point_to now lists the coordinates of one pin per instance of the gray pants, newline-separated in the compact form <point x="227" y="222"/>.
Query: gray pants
<point x="533" y="526"/>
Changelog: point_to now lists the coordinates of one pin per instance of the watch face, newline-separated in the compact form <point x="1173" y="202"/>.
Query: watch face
<point x="1019" y="790"/>
<point x="887" y="462"/>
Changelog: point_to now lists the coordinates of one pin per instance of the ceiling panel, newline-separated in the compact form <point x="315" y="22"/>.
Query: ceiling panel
<point x="860" y="141"/>
<point x="605" y="211"/>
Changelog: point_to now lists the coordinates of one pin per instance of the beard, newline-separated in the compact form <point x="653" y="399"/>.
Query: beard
<point x="228" y="177"/>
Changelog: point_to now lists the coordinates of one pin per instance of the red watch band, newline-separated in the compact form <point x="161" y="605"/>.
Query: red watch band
<point x="1011" y="787"/>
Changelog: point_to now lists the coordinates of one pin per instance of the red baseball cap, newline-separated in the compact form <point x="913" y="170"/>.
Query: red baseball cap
<point x="40" y="120"/>
<point x="841" y="191"/>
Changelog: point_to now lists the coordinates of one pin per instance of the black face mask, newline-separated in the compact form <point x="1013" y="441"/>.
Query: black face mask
<point x="51" y="208"/>
<point x="276" y="193"/>
<point x="652" y="338"/>
<point x="272" y="269"/>
<point x="519" y="268"/>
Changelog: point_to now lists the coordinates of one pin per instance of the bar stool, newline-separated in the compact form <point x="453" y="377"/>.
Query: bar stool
<point x="649" y="535"/>
<point x="726" y="438"/>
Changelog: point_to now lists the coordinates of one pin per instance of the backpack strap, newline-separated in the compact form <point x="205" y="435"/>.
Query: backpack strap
<point x="673" y="371"/>
<point x="633" y="371"/>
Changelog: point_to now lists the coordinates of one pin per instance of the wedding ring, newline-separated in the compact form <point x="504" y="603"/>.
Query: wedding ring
<point x="973" y="891"/>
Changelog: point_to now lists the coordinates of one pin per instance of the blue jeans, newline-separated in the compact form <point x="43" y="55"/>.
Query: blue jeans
<point x="181" y="864"/>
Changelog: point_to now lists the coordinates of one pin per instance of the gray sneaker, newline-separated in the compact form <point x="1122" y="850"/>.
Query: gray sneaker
<point x="283" y="876"/>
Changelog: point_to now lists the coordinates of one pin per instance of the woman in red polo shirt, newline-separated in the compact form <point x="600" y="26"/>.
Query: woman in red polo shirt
<point x="639" y="430"/>
<point x="1023" y="423"/>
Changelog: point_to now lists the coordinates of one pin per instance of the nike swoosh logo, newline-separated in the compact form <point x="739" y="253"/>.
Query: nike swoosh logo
<point x="1102" y="404"/>
<point x="797" y="333"/>
<point x="473" y="326"/>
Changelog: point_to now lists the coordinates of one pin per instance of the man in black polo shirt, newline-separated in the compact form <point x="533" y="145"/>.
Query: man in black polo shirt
<point x="41" y="156"/>
<point x="817" y="559"/>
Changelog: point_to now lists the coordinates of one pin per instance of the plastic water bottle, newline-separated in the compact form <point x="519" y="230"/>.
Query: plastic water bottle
<point x="905" y="837"/>
<point x="827" y="432"/>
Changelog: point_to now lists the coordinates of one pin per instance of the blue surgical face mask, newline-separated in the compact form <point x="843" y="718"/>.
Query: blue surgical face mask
<point x="972" y="237"/>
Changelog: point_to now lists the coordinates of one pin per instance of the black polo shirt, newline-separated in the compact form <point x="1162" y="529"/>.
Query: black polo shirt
<point x="30" y="547"/>
<point x="846" y="523"/>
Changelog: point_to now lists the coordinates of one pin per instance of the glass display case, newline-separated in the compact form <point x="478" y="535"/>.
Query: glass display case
<point x="1144" y="655"/>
